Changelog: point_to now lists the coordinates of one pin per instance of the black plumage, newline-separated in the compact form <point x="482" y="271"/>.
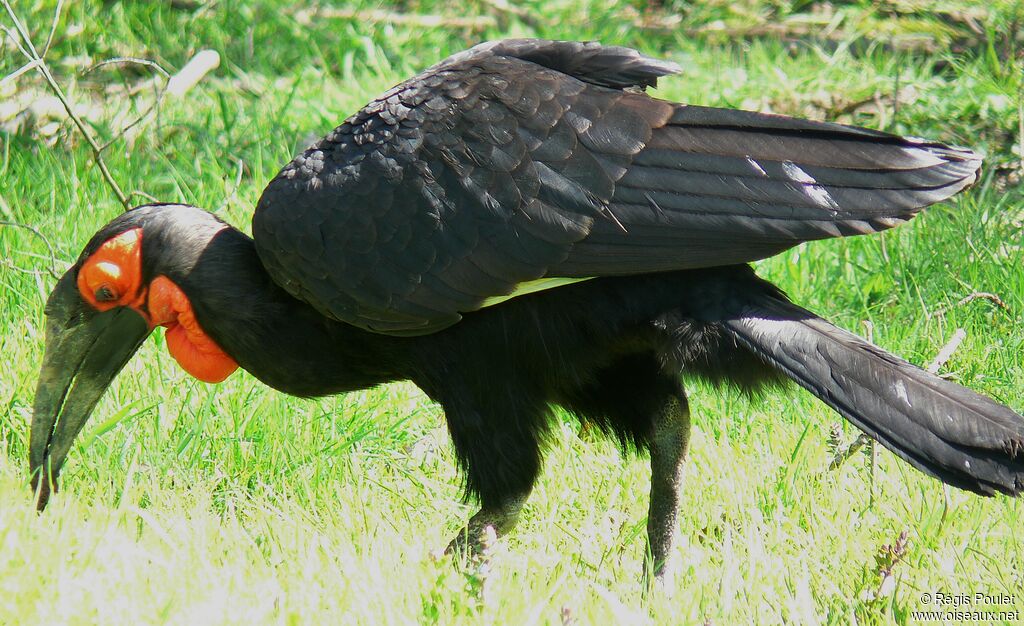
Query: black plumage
<point x="377" y="250"/>
<point x="523" y="159"/>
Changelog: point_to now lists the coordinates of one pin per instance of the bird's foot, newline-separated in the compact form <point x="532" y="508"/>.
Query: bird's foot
<point x="474" y="543"/>
<point x="481" y="532"/>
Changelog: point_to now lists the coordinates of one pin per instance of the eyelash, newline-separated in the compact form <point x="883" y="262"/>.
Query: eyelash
<point x="105" y="294"/>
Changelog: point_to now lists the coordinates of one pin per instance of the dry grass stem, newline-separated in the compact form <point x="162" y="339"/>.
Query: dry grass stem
<point x="30" y="50"/>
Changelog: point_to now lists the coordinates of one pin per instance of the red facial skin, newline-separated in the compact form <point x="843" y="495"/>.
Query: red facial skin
<point x="112" y="277"/>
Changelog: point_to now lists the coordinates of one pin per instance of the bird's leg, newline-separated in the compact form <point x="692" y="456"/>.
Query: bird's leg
<point x="639" y="398"/>
<point x="668" y="444"/>
<point x="496" y="436"/>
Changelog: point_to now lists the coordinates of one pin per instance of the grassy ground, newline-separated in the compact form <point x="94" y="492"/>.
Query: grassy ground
<point x="185" y="503"/>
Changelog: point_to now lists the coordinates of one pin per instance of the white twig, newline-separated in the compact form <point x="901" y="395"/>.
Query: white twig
<point x="28" y="67"/>
<point x="373" y="16"/>
<point x="53" y="28"/>
<point x="193" y="72"/>
<point x="129" y="61"/>
<point x="947" y="350"/>
<point x="53" y="256"/>
<point x="160" y="91"/>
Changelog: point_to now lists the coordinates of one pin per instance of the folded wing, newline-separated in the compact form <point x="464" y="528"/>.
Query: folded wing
<point x="525" y="159"/>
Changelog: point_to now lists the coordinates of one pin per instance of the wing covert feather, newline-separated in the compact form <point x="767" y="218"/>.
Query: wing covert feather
<point x="526" y="159"/>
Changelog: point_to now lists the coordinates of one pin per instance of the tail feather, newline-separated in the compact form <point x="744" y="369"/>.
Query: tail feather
<point x="946" y="430"/>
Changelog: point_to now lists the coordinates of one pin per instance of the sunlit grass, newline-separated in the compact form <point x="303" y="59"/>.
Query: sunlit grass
<point x="184" y="503"/>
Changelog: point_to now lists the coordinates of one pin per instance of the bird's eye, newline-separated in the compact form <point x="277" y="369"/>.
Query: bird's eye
<point x="105" y="294"/>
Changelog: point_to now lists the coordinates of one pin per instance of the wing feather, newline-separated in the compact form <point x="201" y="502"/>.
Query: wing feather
<point x="522" y="160"/>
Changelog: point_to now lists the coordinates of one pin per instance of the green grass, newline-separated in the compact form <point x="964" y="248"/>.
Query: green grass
<point x="186" y="503"/>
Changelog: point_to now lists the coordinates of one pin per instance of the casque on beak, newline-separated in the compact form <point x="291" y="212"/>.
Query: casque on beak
<point x="85" y="349"/>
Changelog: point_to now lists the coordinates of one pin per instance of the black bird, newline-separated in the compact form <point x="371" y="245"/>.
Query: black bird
<point x="401" y="244"/>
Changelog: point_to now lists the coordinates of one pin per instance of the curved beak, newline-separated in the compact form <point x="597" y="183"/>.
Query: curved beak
<point x="85" y="349"/>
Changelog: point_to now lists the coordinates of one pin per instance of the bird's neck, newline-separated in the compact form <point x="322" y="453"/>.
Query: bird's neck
<point x="279" y="339"/>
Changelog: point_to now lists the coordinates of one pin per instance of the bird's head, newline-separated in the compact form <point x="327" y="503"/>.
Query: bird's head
<point x="131" y="277"/>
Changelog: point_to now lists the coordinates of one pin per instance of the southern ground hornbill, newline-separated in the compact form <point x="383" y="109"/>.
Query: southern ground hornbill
<point x="517" y="227"/>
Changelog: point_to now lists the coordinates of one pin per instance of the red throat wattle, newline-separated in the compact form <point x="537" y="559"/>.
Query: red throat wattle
<point x="112" y="277"/>
<point x="192" y="348"/>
